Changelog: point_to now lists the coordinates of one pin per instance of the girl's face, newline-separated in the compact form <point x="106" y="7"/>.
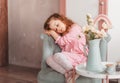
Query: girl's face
<point x="58" y="26"/>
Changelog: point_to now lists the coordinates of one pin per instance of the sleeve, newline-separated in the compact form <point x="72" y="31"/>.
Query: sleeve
<point x="63" y="40"/>
<point x="80" y="44"/>
<point x="80" y="35"/>
<point x="74" y="32"/>
<point x="82" y="38"/>
<point x="82" y="41"/>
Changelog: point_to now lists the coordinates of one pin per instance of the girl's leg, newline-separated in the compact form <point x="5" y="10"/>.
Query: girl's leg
<point x="63" y="61"/>
<point x="66" y="64"/>
<point x="50" y="61"/>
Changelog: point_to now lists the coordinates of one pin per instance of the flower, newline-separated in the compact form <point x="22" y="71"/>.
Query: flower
<point x="92" y="32"/>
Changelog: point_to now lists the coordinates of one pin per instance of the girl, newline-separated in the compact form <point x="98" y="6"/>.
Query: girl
<point x="70" y="38"/>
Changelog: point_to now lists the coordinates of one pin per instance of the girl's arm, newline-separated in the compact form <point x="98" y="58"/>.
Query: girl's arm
<point x="52" y="33"/>
<point x="71" y="36"/>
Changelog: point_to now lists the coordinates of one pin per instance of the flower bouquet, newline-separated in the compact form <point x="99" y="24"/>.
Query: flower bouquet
<point x="93" y="36"/>
<point x="92" y="31"/>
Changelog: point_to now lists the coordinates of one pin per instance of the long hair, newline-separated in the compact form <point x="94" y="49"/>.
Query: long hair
<point x="62" y="18"/>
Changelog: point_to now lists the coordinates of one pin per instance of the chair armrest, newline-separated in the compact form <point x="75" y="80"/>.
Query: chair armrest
<point x="49" y="48"/>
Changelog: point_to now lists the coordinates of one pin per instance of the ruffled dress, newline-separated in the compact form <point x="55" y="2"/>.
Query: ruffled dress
<point x="73" y="45"/>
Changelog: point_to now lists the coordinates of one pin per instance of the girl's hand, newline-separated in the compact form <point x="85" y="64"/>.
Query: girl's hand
<point x="48" y="32"/>
<point x="52" y="33"/>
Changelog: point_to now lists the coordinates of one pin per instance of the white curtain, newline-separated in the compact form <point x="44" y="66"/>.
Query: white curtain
<point x="114" y="44"/>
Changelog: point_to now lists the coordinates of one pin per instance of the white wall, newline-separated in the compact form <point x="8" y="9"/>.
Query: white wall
<point x="77" y="10"/>
<point x="114" y="44"/>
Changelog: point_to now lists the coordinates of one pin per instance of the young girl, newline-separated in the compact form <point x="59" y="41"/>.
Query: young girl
<point x="70" y="38"/>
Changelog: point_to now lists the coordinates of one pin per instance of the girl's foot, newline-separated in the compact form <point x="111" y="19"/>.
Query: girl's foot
<point x="76" y="76"/>
<point x="68" y="76"/>
<point x="71" y="76"/>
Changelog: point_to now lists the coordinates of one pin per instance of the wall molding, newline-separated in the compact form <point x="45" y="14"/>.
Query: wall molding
<point x="63" y="7"/>
<point x="103" y="7"/>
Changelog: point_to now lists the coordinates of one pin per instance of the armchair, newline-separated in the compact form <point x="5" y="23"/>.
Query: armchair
<point x="47" y="74"/>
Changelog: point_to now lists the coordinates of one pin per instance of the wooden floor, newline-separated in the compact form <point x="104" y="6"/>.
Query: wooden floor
<point x="113" y="81"/>
<point x="17" y="74"/>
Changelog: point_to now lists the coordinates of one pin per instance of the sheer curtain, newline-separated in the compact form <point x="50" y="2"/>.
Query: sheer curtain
<point x="114" y="44"/>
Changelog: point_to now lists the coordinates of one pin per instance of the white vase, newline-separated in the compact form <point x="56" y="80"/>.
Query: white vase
<point x="94" y="59"/>
<point x="104" y="47"/>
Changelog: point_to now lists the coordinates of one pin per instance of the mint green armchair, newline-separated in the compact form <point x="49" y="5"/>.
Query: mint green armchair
<point x="48" y="75"/>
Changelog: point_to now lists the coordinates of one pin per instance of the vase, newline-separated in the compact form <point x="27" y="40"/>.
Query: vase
<point x="104" y="47"/>
<point x="94" y="59"/>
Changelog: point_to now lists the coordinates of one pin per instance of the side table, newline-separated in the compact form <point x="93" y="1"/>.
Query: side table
<point x="81" y="70"/>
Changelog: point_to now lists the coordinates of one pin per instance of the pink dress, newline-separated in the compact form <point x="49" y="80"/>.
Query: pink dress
<point x="72" y="45"/>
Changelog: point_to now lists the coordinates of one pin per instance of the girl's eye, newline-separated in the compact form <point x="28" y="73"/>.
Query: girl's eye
<point x="57" y="25"/>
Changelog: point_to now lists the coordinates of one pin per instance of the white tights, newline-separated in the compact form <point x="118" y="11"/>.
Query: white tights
<point x="59" y="63"/>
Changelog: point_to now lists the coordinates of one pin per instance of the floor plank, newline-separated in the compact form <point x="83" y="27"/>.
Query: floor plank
<point x="12" y="73"/>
